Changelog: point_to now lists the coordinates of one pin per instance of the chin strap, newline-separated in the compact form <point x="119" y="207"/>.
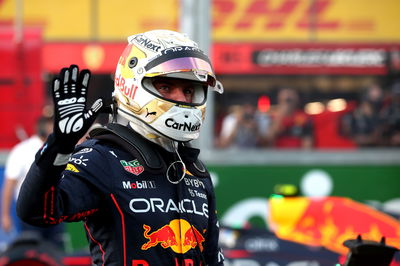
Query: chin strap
<point x="180" y="161"/>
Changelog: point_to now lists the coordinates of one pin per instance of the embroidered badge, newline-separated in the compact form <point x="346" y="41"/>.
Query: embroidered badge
<point x="133" y="167"/>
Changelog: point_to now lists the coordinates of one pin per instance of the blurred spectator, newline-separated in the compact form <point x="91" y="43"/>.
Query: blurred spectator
<point x="242" y="127"/>
<point x="391" y="115"/>
<point x="16" y="168"/>
<point x="291" y="127"/>
<point x="364" y="125"/>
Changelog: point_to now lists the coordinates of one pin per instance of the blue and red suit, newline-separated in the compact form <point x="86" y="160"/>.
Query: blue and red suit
<point x="132" y="213"/>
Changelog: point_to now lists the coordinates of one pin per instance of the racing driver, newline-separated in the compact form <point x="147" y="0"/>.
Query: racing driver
<point x="144" y="196"/>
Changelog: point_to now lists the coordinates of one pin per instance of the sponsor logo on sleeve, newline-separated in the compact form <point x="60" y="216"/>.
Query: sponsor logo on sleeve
<point x="79" y="161"/>
<point x="72" y="168"/>
<point x="84" y="150"/>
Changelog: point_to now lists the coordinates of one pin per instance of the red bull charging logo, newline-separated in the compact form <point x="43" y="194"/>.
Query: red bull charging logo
<point x="178" y="235"/>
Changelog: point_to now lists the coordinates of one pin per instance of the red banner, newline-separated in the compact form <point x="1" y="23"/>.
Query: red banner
<point x="100" y="58"/>
<point x="21" y="84"/>
<point x="247" y="58"/>
<point x="305" y="58"/>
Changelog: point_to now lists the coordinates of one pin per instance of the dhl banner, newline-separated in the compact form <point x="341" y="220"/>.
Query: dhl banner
<point x="232" y="20"/>
<point x="322" y="20"/>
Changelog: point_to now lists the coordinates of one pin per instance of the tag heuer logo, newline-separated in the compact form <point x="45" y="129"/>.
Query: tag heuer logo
<point x="133" y="167"/>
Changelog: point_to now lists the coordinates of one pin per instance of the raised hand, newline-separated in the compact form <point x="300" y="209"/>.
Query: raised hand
<point x="72" y="119"/>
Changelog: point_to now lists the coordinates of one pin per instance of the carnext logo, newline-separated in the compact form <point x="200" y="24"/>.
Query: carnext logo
<point x="183" y="127"/>
<point x="138" y="184"/>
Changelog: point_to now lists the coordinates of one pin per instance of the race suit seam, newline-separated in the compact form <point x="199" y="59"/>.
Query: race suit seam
<point x="103" y="253"/>
<point x="122" y="225"/>
<point x="48" y="217"/>
<point x="48" y="211"/>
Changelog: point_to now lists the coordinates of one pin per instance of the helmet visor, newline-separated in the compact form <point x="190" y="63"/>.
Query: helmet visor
<point x="181" y="63"/>
<point x="180" y="91"/>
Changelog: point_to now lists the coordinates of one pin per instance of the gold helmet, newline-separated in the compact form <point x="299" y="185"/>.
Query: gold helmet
<point x="172" y="55"/>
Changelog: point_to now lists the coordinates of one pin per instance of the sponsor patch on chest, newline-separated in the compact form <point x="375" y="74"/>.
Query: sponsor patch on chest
<point x="133" y="167"/>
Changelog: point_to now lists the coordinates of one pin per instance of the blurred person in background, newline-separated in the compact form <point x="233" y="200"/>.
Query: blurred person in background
<point x="290" y="126"/>
<point x="365" y="125"/>
<point x="138" y="185"/>
<point x="16" y="168"/>
<point x="243" y="127"/>
<point x="391" y="116"/>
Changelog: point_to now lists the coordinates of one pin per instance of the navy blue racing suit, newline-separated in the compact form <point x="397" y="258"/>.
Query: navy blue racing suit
<point x="132" y="213"/>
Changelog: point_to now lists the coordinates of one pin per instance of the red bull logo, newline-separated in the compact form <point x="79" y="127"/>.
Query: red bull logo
<point x="169" y="236"/>
<point x="193" y="238"/>
<point x="164" y="236"/>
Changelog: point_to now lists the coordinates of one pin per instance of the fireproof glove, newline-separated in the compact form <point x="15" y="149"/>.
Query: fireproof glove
<point x="71" y="118"/>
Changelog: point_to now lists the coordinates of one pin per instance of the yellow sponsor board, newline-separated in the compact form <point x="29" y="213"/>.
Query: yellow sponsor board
<point x="232" y="20"/>
<point x="303" y="20"/>
<point x="94" y="19"/>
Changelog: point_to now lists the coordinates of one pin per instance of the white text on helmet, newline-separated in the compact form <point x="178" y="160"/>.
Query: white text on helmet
<point x="147" y="43"/>
<point x="184" y="126"/>
<point x="127" y="91"/>
<point x="181" y="48"/>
